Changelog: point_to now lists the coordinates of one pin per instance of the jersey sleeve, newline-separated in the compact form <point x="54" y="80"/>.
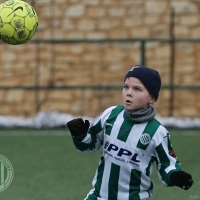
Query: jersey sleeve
<point x="166" y="159"/>
<point x="93" y="139"/>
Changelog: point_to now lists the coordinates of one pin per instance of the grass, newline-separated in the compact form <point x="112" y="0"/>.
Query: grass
<point x="47" y="166"/>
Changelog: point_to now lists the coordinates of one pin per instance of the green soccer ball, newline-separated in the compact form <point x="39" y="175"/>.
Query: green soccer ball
<point x="18" y="22"/>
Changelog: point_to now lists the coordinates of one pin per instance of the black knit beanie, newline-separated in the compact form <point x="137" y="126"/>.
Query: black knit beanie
<point x="149" y="77"/>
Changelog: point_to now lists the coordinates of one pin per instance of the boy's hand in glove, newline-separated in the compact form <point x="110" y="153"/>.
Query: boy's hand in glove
<point x="78" y="127"/>
<point x="181" y="179"/>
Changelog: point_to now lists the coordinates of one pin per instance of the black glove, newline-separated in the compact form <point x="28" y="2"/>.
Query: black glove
<point x="78" y="127"/>
<point x="181" y="179"/>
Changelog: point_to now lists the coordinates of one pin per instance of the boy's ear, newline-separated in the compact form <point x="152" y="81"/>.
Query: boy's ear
<point x="152" y="100"/>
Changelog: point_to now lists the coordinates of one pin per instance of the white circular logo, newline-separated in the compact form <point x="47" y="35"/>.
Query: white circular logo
<point x="6" y="173"/>
<point x="145" y="138"/>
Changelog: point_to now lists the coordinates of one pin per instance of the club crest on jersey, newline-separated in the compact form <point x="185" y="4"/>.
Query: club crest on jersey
<point x="172" y="154"/>
<point x="145" y="138"/>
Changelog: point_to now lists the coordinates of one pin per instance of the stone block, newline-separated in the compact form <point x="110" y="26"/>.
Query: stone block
<point x="195" y="32"/>
<point x="61" y="2"/>
<point x="96" y="35"/>
<point x="108" y="24"/>
<point x="163" y="51"/>
<point x="157" y="7"/>
<point x="133" y="22"/>
<point x="14" y="95"/>
<point x="2" y="96"/>
<point x="92" y="2"/>
<point x="74" y="1"/>
<point x="181" y="31"/>
<point x="47" y="11"/>
<point x="68" y="24"/>
<point x="111" y="3"/>
<point x="75" y="11"/>
<point x="95" y="12"/>
<point x="190" y="20"/>
<point x="160" y="31"/>
<point x="185" y="48"/>
<point x="132" y="3"/>
<point x="136" y="10"/>
<point x="86" y="25"/>
<point x="151" y="20"/>
<point x="140" y="32"/>
<point x="118" y="34"/>
<point x="8" y="56"/>
<point x="184" y="7"/>
<point x="116" y="12"/>
<point x="44" y="2"/>
<point x="76" y="49"/>
<point x="75" y="35"/>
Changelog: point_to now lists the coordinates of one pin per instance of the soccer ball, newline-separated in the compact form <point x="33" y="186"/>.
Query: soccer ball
<point x="18" y="22"/>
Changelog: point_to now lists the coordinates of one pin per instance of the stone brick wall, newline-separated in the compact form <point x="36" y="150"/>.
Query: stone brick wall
<point x="100" y="64"/>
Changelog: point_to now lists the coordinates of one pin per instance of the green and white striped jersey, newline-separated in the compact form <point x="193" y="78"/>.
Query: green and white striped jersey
<point x="129" y="150"/>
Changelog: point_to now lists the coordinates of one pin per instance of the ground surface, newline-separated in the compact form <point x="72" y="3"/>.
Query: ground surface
<point x="47" y="166"/>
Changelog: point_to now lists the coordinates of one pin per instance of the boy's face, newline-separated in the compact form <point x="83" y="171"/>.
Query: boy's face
<point x="134" y="94"/>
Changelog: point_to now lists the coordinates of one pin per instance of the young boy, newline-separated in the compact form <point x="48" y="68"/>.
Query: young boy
<point x="132" y="140"/>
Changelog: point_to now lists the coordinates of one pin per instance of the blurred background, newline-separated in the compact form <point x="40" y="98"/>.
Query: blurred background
<point x="78" y="58"/>
<point x="75" y="66"/>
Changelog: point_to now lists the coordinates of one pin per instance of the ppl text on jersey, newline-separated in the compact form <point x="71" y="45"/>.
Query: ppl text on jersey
<point x="119" y="153"/>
